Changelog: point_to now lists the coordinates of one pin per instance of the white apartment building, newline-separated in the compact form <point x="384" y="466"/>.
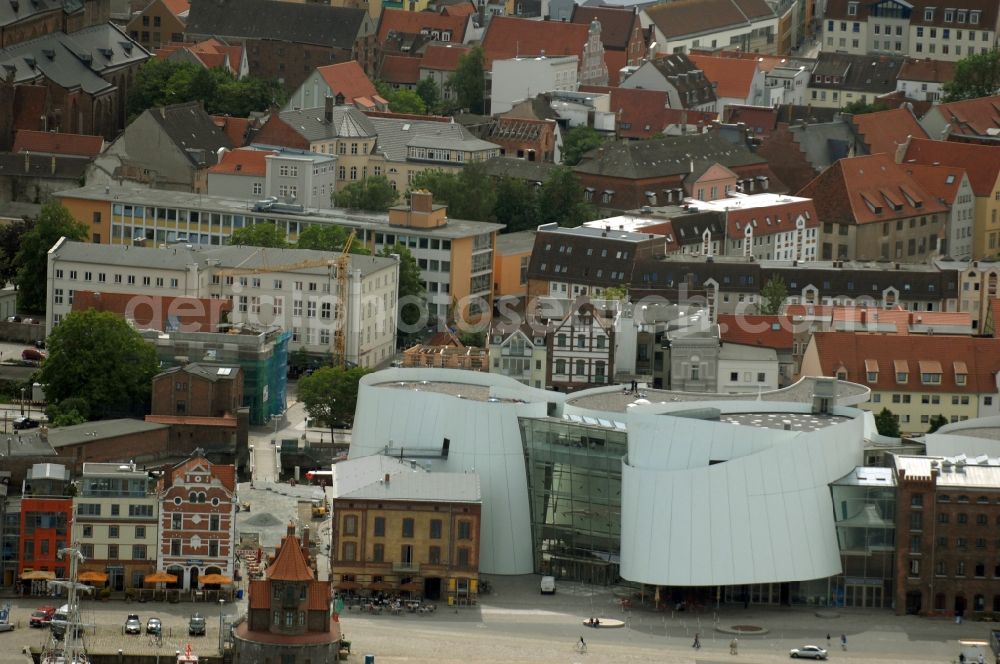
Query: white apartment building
<point x="747" y="369"/>
<point x="116" y="513"/>
<point x="297" y="178"/>
<point x="516" y="79"/>
<point x="519" y="352"/>
<point x="294" y="289"/>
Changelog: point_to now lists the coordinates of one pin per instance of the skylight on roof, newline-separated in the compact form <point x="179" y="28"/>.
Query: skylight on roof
<point x="225" y="371"/>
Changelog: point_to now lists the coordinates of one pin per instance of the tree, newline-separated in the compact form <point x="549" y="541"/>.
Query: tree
<point x="97" y="355"/>
<point x="11" y="237"/>
<point x="937" y="421"/>
<point x="407" y="101"/>
<point x="327" y="238"/>
<point x="560" y="200"/>
<point x="331" y="394"/>
<point x="860" y="107"/>
<point x="373" y="193"/>
<point x="975" y="76"/>
<point x="772" y="296"/>
<point x="428" y="90"/>
<point x="577" y="141"/>
<point x="32" y="259"/>
<point x="411" y="285"/>
<point x="469" y="194"/>
<point x="516" y="204"/>
<point x="161" y="82"/>
<point x="259" y="235"/>
<point x="886" y="423"/>
<point x="469" y="81"/>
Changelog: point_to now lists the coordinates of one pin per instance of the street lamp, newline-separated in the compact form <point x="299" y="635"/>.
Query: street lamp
<point x="222" y="603"/>
<point x="22" y="401"/>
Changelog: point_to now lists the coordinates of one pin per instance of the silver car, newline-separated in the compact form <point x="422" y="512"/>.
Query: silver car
<point x="154" y="626"/>
<point x="811" y="652"/>
<point x="132" y="624"/>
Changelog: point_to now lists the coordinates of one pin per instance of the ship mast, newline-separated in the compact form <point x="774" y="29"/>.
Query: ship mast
<point x="72" y="649"/>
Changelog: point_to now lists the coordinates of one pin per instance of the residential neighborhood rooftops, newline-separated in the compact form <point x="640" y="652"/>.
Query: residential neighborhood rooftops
<point x="302" y="23"/>
<point x="415" y="23"/>
<point x="927" y="70"/>
<point x="673" y="155"/>
<point x="396" y="135"/>
<point x="400" y="69"/>
<point x="982" y="162"/>
<point x="695" y="17"/>
<point x="731" y="77"/>
<point x="80" y="434"/>
<point x="515" y="243"/>
<point x="348" y="79"/>
<point x="756" y="330"/>
<point x="971" y="117"/>
<point x="441" y="57"/>
<point x="864" y="73"/>
<point x="884" y="131"/>
<point x="509" y="37"/>
<point x="311" y="124"/>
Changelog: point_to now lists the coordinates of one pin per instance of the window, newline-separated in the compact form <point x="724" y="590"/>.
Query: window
<point x="88" y="531"/>
<point x="379" y="526"/>
<point x="213" y="522"/>
<point x="350" y="524"/>
<point x="408" y="527"/>
<point x="350" y="551"/>
<point x="963" y="518"/>
<point x="464" y="530"/>
<point x="175" y="547"/>
<point x="138" y="552"/>
<point x="914" y="567"/>
<point x="378" y="552"/>
<point x="463" y="557"/>
<point x="916" y="521"/>
<point x="113" y="532"/>
<point x="176" y="521"/>
<point x="140" y="531"/>
<point x="434" y="555"/>
<point x="435" y="529"/>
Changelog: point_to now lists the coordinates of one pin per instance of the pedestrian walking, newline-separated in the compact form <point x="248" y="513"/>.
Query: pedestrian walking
<point x="981" y="659"/>
<point x="733" y="645"/>
<point x="697" y="641"/>
<point x="843" y="642"/>
<point x="961" y="658"/>
<point x="828" y="640"/>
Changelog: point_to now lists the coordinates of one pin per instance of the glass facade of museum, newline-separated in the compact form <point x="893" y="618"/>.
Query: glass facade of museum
<point x="574" y="489"/>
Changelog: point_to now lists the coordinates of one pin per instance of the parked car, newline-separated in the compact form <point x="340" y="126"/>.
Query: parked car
<point x="196" y="625"/>
<point x="42" y="616"/>
<point x="132" y="624"/>
<point x="811" y="652"/>
<point x="548" y="585"/>
<point x="32" y="355"/>
<point x="154" y="626"/>
<point x="24" y="423"/>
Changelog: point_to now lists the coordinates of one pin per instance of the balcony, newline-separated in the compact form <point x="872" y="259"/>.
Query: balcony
<point x="412" y="567"/>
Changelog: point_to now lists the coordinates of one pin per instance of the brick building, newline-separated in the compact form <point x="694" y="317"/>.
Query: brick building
<point x="289" y="616"/>
<point x="402" y="531"/>
<point x="946" y="561"/>
<point x="197" y="521"/>
<point x="102" y="440"/>
<point x="46" y="519"/>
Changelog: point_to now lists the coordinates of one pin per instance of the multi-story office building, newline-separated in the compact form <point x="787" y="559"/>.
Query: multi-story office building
<point x="46" y="519"/>
<point x="197" y="521"/>
<point x="454" y="255"/>
<point x="410" y="531"/>
<point x="292" y="289"/>
<point x="117" y="508"/>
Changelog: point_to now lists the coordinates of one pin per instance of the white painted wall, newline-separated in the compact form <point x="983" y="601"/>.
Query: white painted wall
<point x="516" y="79"/>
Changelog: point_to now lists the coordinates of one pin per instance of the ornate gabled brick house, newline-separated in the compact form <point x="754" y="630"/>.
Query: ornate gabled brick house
<point x="289" y="616"/>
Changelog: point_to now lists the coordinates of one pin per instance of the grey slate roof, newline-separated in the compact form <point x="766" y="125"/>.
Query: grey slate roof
<point x="515" y="243"/>
<point x="192" y="130"/>
<point x="396" y="134"/>
<point x="26" y="10"/>
<point x="91" y="431"/>
<point x="866" y="73"/>
<point x="424" y="487"/>
<point x="823" y="143"/>
<point x="299" y="23"/>
<point x="72" y="61"/>
<point x="180" y="257"/>
<point x="213" y="373"/>
<point x="348" y="121"/>
<point x="684" y="75"/>
<point x="49" y="167"/>
<point x="673" y="155"/>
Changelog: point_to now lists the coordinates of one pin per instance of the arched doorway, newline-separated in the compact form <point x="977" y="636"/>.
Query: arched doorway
<point x="194" y="579"/>
<point x="914" y="602"/>
<point x="177" y="571"/>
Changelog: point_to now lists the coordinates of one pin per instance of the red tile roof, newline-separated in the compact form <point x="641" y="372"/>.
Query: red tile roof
<point x="348" y="79"/>
<point x="971" y="117"/>
<point x="225" y="473"/>
<point x="319" y="596"/>
<point x="767" y="220"/>
<point x="617" y="23"/>
<point x="459" y="9"/>
<point x="177" y="7"/>
<point x="51" y="142"/>
<point x="210" y="52"/>
<point x="884" y="131"/>
<point x="645" y="112"/>
<point x="942" y="182"/>
<point x="509" y="37"/>
<point x="995" y="314"/>
<point x="290" y="564"/>
<point x="442" y="58"/>
<point x="847" y="192"/>
<point x="982" y="162"/>
<point x="762" y="120"/>
<point x="927" y="71"/>
<point x="851" y="350"/>
<point x="732" y="77"/>
<point x="692" y="17"/>
<point x="252" y="163"/>
<point x="754" y="330"/>
<point x="400" y="69"/>
<point x="901" y="319"/>
<point x="237" y="129"/>
<point x="415" y="23"/>
<point x="614" y="61"/>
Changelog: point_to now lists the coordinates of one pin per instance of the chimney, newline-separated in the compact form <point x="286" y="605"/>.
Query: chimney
<point x="421" y="200"/>
<point x="328" y="110"/>
<point x="291" y="528"/>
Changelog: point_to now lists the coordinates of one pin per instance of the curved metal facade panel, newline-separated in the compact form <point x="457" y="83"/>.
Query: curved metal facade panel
<point x="484" y="437"/>
<point x="760" y="513"/>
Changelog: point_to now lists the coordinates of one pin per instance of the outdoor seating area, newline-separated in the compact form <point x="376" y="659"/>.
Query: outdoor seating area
<point x="386" y="604"/>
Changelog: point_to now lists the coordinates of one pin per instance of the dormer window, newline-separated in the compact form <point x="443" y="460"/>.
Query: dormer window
<point x="929" y="14"/>
<point x="902" y="369"/>
<point x="930" y="372"/>
<point x="852" y="9"/>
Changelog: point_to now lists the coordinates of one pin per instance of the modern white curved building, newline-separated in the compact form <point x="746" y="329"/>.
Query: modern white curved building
<point x="659" y="488"/>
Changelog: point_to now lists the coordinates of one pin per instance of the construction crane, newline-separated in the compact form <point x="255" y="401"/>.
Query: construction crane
<point x="340" y="322"/>
<point x="284" y="267"/>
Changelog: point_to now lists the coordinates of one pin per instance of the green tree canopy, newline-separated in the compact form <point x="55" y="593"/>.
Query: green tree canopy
<point x="407" y="101"/>
<point x="885" y="422"/>
<point x="936" y="422"/>
<point x="428" y="91"/>
<point x="162" y="82"/>
<point x="560" y="200"/>
<point x="975" y="76"/>
<point x="516" y="204"/>
<point x="469" y="193"/>
<point x="373" y="193"/>
<point x="98" y="356"/>
<point x="330" y="395"/>
<point x="328" y="238"/>
<point x="32" y="259"/>
<point x="860" y="107"/>
<point x="469" y="81"/>
<point x="259" y="235"/>
<point x="411" y="285"/>
<point x="11" y="237"/>
<point x="578" y="141"/>
<point x="772" y="296"/>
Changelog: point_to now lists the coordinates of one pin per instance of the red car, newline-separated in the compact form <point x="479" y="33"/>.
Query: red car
<point x="42" y="616"/>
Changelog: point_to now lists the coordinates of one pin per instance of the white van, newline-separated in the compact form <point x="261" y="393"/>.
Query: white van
<point x="59" y="619"/>
<point x="548" y="585"/>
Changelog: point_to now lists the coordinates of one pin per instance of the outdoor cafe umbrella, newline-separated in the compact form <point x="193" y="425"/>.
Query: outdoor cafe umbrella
<point x="210" y="579"/>
<point x="38" y="575"/>
<point x="160" y="577"/>
<point x="348" y="585"/>
<point x="380" y="585"/>
<point x="93" y="577"/>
